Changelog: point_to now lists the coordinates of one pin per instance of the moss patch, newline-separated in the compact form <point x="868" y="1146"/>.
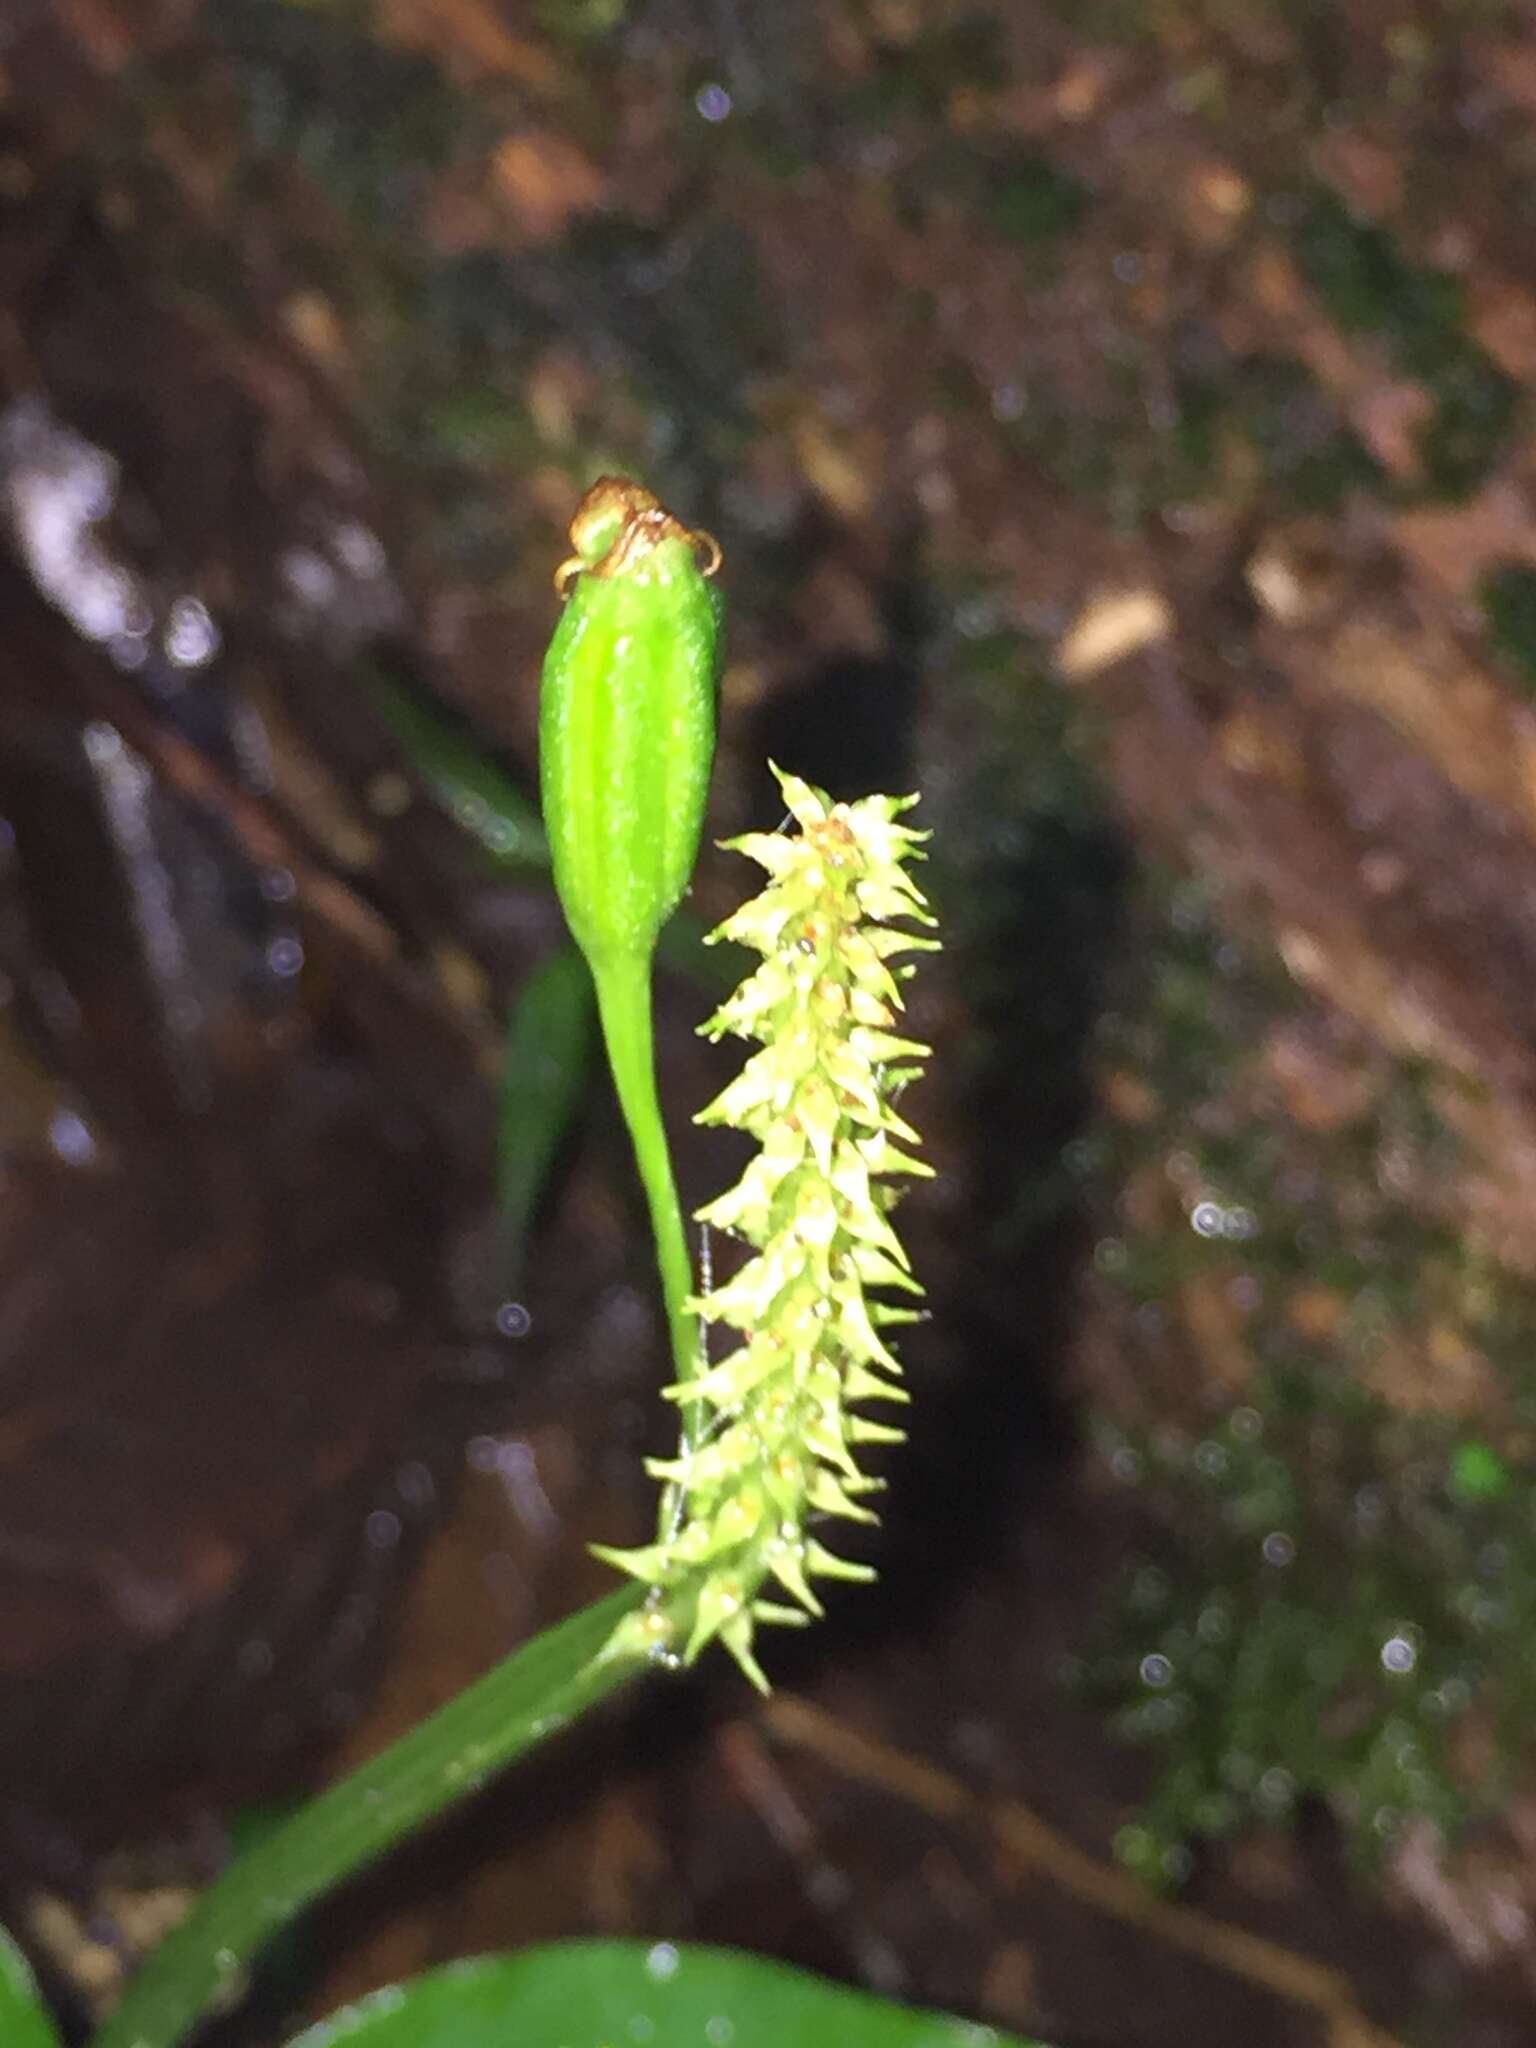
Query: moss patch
<point x="1339" y="1562"/>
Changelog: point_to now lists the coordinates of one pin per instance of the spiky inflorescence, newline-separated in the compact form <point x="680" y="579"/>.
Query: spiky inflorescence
<point x="777" y="1446"/>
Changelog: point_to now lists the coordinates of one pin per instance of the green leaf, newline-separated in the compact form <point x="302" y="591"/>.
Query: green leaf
<point x="24" y="2021"/>
<point x="543" y="1072"/>
<point x="461" y="776"/>
<point x="525" y="1700"/>
<point x="686" y="947"/>
<point x="1508" y="595"/>
<point x="629" y="1994"/>
<point x="1478" y="1473"/>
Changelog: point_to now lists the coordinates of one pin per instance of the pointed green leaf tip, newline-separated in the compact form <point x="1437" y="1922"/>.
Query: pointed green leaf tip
<point x="777" y="1448"/>
<point x="627" y="717"/>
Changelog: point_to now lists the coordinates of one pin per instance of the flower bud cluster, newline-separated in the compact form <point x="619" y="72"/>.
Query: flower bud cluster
<point x="777" y="1448"/>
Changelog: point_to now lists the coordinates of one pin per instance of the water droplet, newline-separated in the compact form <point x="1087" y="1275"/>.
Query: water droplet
<point x="662" y="1961"/>
<point x="1207" y="1219"/>
<point x="381" y="1531"/>
<point x="103" y="744"/>
<point x="1274" y="1791"/>
<point x="1279" y="1549"/>
<point x="513" y="1320"/>
<point x="828" y="1888"/>
<point x="1133" y="1845"/>
<point x="308" y="575"/>
<point x="713" y="102"/>
<point x="70" y="1137"/>
<point x="414" y="1482"/>
<point x="1149" y="1588"/>
<point x="1398" y="1655"/>
<point x="719" y="2031"/>
<point x="1370" y="1506"/>
<point x="1156" y="1669"/>
<point x="191" y="637"/>
<point x="1214" y="1624"/>
<point x="255" y="1658"/>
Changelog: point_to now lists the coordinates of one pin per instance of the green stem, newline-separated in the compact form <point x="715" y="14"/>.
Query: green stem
<point x="624" y="1004"/>
<point x="526" y="1699"/>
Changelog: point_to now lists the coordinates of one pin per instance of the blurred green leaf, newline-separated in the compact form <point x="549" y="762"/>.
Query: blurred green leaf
<point x="544" y="1072"/>
<point x="614" y="1994"/>
<point x="1030" y="199"/>
<point x="1369" y="285"/>
<point x="1508" y="596"/>
<point x="685" y="948"/>
<point x="24" y="2023"/>
<point x="478" y="795"/>
<point x="1478" y="1473"/>
<point x="582" y="19"/>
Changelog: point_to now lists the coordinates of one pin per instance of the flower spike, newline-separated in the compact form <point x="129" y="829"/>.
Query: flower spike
<point x="776" y="1439"/>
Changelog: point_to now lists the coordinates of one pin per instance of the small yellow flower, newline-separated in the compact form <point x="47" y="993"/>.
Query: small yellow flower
<point x="776" y="1449"/>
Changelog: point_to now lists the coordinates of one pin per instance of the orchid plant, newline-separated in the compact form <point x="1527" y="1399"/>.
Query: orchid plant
<point x="771" y="1430"/>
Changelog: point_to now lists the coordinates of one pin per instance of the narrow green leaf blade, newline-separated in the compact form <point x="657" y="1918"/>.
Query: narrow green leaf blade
<point x="544" y="1074"/>
<point x="627" y="1994"/>
<point x="24" y="2021"/>
<point x="468" y="784"/>
<point x="524" y="1701"/>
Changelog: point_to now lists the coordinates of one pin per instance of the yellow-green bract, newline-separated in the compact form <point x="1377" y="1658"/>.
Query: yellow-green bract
<point x="627" y="717"/>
